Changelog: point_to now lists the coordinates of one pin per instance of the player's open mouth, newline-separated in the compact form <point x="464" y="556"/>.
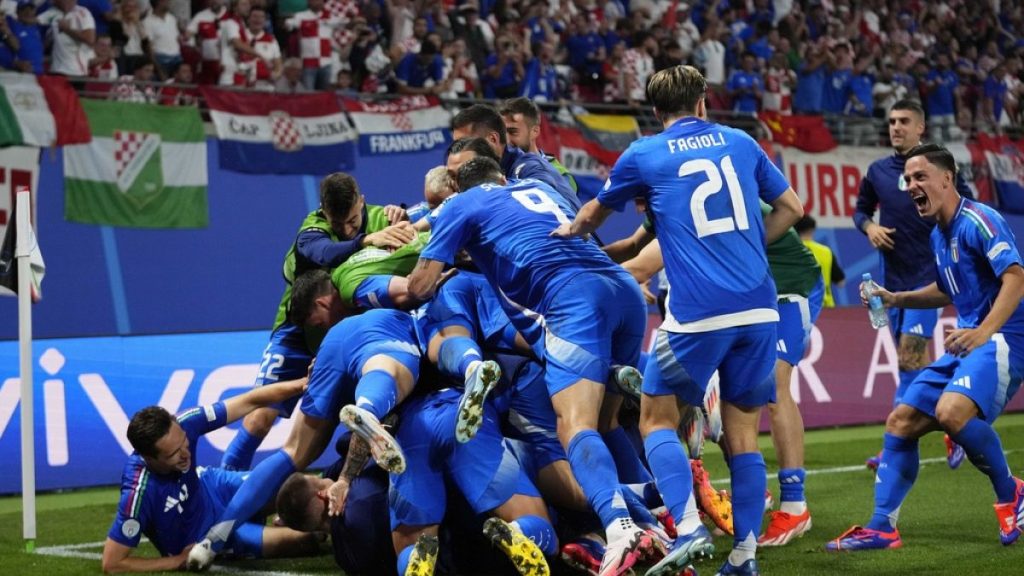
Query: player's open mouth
<point x="920" y="200"/>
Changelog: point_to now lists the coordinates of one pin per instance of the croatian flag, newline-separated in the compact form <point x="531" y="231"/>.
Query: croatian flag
<point x="409" y="124"/>
<point x="281" y="134"/>
<point x="1006" y="165"/>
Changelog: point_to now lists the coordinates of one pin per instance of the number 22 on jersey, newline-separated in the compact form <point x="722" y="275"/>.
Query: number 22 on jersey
<point x="705" y="227"/>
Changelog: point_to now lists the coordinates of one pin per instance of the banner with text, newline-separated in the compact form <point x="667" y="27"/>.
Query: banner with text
<point x="849" y="373"/>
<point x="408" y="124"/>
<point x="87" y="389"/>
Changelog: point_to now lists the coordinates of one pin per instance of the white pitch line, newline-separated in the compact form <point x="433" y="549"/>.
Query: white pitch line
<point x="76" y="551"/>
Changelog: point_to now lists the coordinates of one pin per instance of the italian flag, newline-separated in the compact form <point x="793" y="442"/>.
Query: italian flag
<point x="40" y="111"/>
<point x="145" y="167"/>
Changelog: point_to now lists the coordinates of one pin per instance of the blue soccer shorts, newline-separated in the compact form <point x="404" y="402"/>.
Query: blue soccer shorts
<point x="219" y="486"/>
<point x="531" y="417"/>
<point x="485" y="470"/>
<point x="592" y="322"/>
<point x="990" y="375"/>
<point x="682" y="364"/>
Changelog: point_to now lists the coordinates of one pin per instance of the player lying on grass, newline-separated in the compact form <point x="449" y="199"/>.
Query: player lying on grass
<point x="167" y="499"/>
<point x="963" y="392"/>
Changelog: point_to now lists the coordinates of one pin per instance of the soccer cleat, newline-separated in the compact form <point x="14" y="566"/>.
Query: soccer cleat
<point x="383" y="446"/>
<point x="1011" y="515"/>
<point x="479" y="383"/>
<point x="691" y="431"/>
<point x="523" y="552"/>
<point x="713" y="410"/>
<point x="423" y="557"/>
<point x="686" y="548"/>
<point x="584" y="554"/>
<point x="784" y="527"/>
<point x="629" y="380"/>
<point x="668" y="523"/>
<point x="954" y="453"/>
<point x="859" y="538"/>
<point x="748" y="568"/>
<point x="769" y="501"/>
<point x="873" y="462"/>
<point x="201" y="556"/>
<point x="627" y="543"/>
<point x="715" y="505"/>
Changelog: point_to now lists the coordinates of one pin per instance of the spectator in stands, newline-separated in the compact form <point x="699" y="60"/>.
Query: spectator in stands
<point x="861" y="105"/>
<point x="710" y="58"/>
<point x="761" y="45"/>
<point x="291" y="81"/>
<point x="539" y="27"/>
<point x="460" y="69"/>
<point x="403" y="16"/>
<point x="175" y="93"/>
<point x="686" y="33"/>
<point x="477" y="33"/>
<point x="130" y="36"/>
<point x="103" y="13"/>
<point x="541" y="83"/>
<point x="422" y="72"/>
<point x="315" y="28"/>
<point x="886" y="91"/>
<point x="614" y="73"/>
<point x="73" y="32"/>
<point x="204" y="32"/>
<point x="162" y="30"/>
<point x="264" y="69"/>
<point x="102" y="65"/>
<point x="137" y="87"/>
<point x="746" y="86"/>
<point x="639" y="64"/>
<point x="235" y="46"/>
<point x="505" y="70"/>
<point x="587" y="53"/>
<point x="21" y="43"/>
<point x="412" y="44"/>
<point x="940" y="103"/>
<point x="993" y="98"/>
<point x="836" y="95"/>
<point x="344" y="84"/>
<point x="779" y="80"/>
<point x="811" y="77"/>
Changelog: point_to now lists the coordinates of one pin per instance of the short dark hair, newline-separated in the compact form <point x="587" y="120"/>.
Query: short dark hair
<point x="805" y="224"/>
<point x="473" y="144"/>
<point x="479" y="170"/>
<point x="293" y="503"/>
<point x="147" y="427"/>
<point x="305" y="290"/>
<point x="676" y="90"/>
<point x="936" y="154"/>
<point x="480" y="116"/>
<point x="524" y="106"/>
<point x="339" y="192"/>
<point x="909" y="104"/>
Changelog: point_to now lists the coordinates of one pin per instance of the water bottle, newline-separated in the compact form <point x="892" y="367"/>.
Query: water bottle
<point x="876" y="310"/>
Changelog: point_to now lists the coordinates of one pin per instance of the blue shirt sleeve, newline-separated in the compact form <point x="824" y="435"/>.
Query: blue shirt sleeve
<point x="451" y="229"/>
<point x="202" y="419"/>
<point x="867" y="202"/>
<point x="992" y="237"/>
<point x="624" y="182"/>
<point x="131" y="512"/>
<point x="317" y="247"/>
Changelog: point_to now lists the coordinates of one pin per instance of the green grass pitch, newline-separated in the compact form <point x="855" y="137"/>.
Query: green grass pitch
<point x="947" y="523"/>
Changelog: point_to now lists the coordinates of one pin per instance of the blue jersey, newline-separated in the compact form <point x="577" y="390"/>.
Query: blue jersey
<point x="970" y="256"/>
<point x="909" y="266"/>
<point x="702" y="182"/>
<point x="172" y="510"/>
<point x="507" y="231"/>
<point x="519" y="165"/>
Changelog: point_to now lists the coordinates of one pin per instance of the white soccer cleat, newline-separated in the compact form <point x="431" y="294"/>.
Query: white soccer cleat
<point x="201" y="556"/>
<point x="713" y="409"/>
<point x="383" y="446"/>
<point x="470" y="416"/>
<point x="691" y="431"/>
<point x="629" y="381"/>
<point x="627" y="544"/>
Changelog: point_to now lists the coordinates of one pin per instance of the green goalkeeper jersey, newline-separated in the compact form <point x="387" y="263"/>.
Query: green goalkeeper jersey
<point x="792" y="264"/>
<point x="373" y="261"/>
<point x="295" y="264"/>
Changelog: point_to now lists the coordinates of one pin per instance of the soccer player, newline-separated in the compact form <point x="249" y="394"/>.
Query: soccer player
<point x="522" y="123"/>
<point x="979" y="271"/>
<point x="901" y="238"/>
<point x="701" y="183"/>
<point x="165" y="498"/>
<point x="577" y="309"/>
<point x="831" y="271"/>
<point x="343" y="225"/>
<point x="436" y="187"/>
<point x="483" y="121"/>
<point x="365" y="366"/>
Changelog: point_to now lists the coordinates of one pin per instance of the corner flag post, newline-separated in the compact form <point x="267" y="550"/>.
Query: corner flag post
<point x="23" y="253"/>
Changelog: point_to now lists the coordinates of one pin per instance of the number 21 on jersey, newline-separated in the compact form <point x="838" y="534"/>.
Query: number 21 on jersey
<point x="705" y="227"/>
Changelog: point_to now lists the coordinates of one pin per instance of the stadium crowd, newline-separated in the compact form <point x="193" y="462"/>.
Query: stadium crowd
<point x="848" y="58"/>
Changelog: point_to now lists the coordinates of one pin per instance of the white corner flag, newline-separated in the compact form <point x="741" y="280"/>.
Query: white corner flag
<point x="9" y="251"/>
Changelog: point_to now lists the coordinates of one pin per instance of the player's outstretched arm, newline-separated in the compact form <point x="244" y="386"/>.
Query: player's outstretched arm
<point x="589" y="219"/>
<point x="786" y="210"/>
<point x="928" y="297"/>
<point x="646" y="264"/>
<point x="118" y="558"/>
<point x="262" y="396"/>
<point x="423" y="280"/>
<point x="628" y="248"/>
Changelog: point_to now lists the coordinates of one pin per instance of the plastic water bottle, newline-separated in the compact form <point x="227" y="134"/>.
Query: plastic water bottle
<point x="876" y="310"/>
